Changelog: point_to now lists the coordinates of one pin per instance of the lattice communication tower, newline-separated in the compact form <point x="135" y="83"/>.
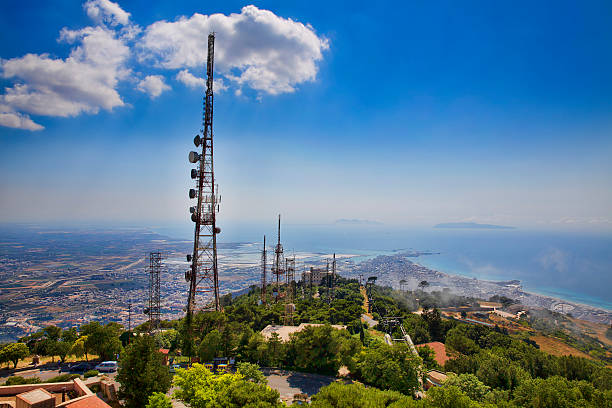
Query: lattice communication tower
<point x="278" y="268"/>
<point x="154" y="309"/>
<point x="203" y="275"/>
<point x="289" y="290"/>
<point x="264" y="267"/>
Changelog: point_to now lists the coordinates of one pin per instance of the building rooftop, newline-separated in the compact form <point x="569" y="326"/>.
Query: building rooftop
<point x="90" y="401"/>
<point x="36" y="396"/>
<point x="439" y="350"/>
<point x="436" y="377"/>
<point x="284" y="332"/>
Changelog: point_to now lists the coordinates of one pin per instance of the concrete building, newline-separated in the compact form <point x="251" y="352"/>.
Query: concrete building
<point x="315" y="275"/>
<point x="38" y="398"/>
<point x="55" y="395"/>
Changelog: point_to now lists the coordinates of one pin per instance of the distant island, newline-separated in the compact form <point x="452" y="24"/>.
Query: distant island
<point x="357" y="222"/>
<point x="471" y="225"/>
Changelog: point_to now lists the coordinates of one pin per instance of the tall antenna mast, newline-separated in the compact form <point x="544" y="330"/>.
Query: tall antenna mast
<point x="333" y="277"/>
<point x="154" y="309"/>
<point x="278" y="261"/>
<point x="264" y="261"/>
<point x="203" y="276"/>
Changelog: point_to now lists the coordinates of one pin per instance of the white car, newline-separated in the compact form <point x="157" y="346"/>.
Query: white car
<point x="107" y="367"/>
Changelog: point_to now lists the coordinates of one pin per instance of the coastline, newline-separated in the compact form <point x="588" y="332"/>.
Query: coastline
<point x="555" y="293"/>
<point x="399" y="267"/>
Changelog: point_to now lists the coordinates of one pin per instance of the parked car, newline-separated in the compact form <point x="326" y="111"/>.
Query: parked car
<point x="78" y="368"/>
<point x="107" y="367"/>
<point x="174" y="367"/>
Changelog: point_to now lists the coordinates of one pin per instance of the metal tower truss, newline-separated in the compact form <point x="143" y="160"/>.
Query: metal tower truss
<point x="203" y="275"/>
<point x="333" y="279"/>
<point x="369" y="286"/>
<point x="264" y="266"/>
<point x="154" y="309"/>
<point x="278" y="269"/>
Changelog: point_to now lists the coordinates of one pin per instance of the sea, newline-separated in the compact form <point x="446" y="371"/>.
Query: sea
<point x="569" y="265"/>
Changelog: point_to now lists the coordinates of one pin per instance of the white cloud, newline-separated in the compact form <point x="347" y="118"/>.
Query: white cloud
<point x="153" y="85"/>
<point x="193" y="81"/>
<point x="105" y="11"/>
<point x="84" y="82"/>
<point x="190" y="80"/>
<point x="255" y="48"/>
<point x="12" y="119"/>
<point x="219" y="85"/>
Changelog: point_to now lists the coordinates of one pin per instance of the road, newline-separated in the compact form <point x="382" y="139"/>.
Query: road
<point x="369" y="321"/>
<point x="44" y="373"/>
<point x="289" y="383"/>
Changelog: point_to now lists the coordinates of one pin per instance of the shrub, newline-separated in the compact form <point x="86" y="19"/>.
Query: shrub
<point x="16" y="380"/>
<point x="63" y="378"/>
<point x="90" y="373"/>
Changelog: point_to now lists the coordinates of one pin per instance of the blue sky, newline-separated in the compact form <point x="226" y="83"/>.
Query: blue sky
<point x="411" y="113"/>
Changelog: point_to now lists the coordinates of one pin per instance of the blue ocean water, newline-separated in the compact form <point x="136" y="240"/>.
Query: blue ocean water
<point x="568" y="265"/>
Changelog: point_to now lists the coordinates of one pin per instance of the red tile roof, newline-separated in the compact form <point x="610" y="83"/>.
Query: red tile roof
<point x="89" y="402"/>
<point x="164" y="351"/>
<point x="439" y="350"/>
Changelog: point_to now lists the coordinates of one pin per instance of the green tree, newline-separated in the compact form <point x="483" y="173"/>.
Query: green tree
<point x="274" y="351"/>
<point x="429" y="357"/>
<point x="199" y="388"/>
<point x="456" y="340"/>
<point x="449" y="397"/>
<point x="338" y="395"/>
<point x="141" y="372"/>
<point x="559" y="392"/>
<point x="102" y="340"/>
<point x="434" y="323"/>
<point x="389" y="367"/>
<point x="159" y="400"/>
<point x="499" y="372"/>
<point x="469" y="384"/>
<point x="78" y="348"/>
<point x="321" y="349"/>
<point x="211" y="346"/>
<point x="251" y="372"/>
<point x="62" y="349"/>
<point x="168" y="339"/>
<point x="14" y="352"/>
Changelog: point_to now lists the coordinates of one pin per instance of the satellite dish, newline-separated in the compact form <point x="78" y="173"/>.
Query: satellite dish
<point x="194" y="174"/>
<point x="187" y="276"/>
<point x="194" y="217"/>
<point x="217" y="230"/>
<point x="188" y="257"/>
<point x="145" y="310"/>
<point x="192" y="193"/>
<point x="197" y="141"/>
<point x="192" y="210"/>
<point x="194" y="157"/>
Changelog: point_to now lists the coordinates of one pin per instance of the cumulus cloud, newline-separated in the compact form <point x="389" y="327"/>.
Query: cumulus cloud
<point x="84" y="82"/>
<point x="153" y="85"/>
<point x="190" y="80"/>
<point x="255" y="48"/>
<point x="105" y="11"/>
<point x="12" y="119"/>
<point x="193" y="81"/>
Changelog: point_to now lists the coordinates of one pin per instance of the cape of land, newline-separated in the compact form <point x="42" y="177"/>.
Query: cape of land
<point x="390" y="270"/>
